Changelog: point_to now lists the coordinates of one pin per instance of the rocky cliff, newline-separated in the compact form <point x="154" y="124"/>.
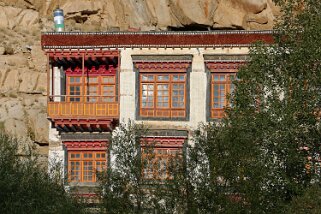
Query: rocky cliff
<point x="23" y="64"/>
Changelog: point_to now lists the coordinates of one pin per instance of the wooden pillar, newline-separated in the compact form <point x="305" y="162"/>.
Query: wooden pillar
<point x="83" y="83"/>
<point x="117" y="75"/>
<point x="48" y="77"/>
<point x="53" y="84"/>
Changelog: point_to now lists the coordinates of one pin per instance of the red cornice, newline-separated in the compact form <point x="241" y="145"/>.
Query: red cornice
<point x="75" y="145"/>
<point x="101" y="71"/>
<point x="224" y="66"/>
<point x="67" y="40"/>
<point x="161" y="66"/>
<point x="79" y="53"/>
<point x="166" y="142"/>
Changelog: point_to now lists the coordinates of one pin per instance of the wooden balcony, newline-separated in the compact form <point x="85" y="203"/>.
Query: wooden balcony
<point x="75" y="113"/>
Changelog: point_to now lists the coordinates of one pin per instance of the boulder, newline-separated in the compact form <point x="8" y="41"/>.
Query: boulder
<point x="12" y="17"/>
<point x="2" y="50"/>
<point x="28" y="81"/>
<point x="16" y="128"/>
<point x="11" y="81"/>
<point x="15" y="109"/>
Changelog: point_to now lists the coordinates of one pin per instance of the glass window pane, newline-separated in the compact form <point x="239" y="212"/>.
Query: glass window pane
<point x="108" y="79"/>
<point x="144" y="87"/>
<point x="75" y="79"/>
<point x="93" y="79"/>
<point x="163" y="77"/>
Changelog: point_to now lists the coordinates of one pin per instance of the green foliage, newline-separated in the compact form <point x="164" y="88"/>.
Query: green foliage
<point x="308" y="202"/>
<point x="121" y="183"/>
<point x="255" y="160"/>
<point x="25" y="187"/>
<point x="263" y="157"/>
<point x="124" y="188"/>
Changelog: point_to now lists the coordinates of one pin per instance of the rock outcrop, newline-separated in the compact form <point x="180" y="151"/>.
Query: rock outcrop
<point x="23" y="64"/>
<point x="144" y="14"/>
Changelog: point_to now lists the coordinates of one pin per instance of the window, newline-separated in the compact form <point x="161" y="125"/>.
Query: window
<point x="162" y="157"/>
<point x="221" y="87"/>
<point x="97" y="88"/>
<point x="160" y="163"/>
<point x="83" y="165"/>
<point x="108" y="88"/>
<point x="163" y="95"/>
<point x="92" y="86"/>
<point x="74" y="89"/>
<point x="223" y="70"/>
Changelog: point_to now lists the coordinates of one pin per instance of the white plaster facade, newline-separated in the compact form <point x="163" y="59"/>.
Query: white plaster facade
<point x="198" y="84"/>
<point x="127" y="92"/>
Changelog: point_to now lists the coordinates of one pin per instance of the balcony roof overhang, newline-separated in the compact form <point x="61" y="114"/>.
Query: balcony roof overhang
<point x="165" y="39"/>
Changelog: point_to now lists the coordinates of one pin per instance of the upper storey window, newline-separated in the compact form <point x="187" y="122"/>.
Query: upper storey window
<point x="74" y="89"/>
<point x="163" y="95"/>
<point x="163" y="89"/>
<point x="96" y="88"/>
<point x="223" y="70"/>
<point x="221" y="88"/>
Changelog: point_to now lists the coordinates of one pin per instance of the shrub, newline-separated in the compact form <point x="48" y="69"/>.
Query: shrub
<point x="25" y="187"/>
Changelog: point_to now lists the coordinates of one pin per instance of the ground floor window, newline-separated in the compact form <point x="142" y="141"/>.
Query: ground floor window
<point x="162" y="158"/>
<point x="84" y="165"/>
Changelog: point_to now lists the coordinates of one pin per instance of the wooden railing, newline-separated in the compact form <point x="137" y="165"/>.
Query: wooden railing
<point x="86" y="109"/>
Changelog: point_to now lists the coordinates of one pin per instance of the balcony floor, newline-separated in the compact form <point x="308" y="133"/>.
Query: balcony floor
<point x="84" y="124"/>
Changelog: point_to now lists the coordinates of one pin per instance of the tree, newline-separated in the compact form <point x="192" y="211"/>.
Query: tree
<point x="266" y="151"/>
<point x="25" y="187"/>
<point x="125" y="190"/>
<point x="308" y="202"/>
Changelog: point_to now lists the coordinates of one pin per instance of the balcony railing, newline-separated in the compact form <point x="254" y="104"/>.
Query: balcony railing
<point x="68" y="106"/>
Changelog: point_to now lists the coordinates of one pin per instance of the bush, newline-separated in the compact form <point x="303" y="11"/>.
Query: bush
<point x="25" y="187"/>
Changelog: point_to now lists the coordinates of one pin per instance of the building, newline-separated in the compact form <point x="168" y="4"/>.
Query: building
<point x="171" y="81"/>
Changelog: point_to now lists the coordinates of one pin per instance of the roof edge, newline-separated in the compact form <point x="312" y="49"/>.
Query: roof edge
<point x="215" y="32"/>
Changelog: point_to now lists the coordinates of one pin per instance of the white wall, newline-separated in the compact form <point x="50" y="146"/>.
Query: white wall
<point x="198" y="84"/>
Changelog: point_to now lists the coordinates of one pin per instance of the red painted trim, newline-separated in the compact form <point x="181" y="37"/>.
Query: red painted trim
<point x="161" y="66"/>
<point x="174" y="142"/>
<point x="101" y="71"/>
<point x="156" y="39"/>
<point x="78" y="53"/>
<point x="85" y="145"/>
<point x="226" y="66"/>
